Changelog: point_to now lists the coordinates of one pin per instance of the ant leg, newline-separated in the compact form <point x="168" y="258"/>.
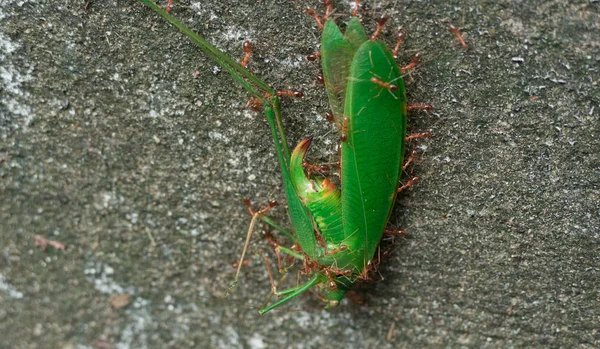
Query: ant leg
<point x="413" y="63"/>
<point x="315" y="168"/>
<point x="426" y="134"/>
<point x="297" y="94"/>
<point x="399" y="43"/>
<point x="328" y="9"/>
<point x="273" y="287"/>
<point x="398" y="232"/>
<point x="355" y="8"/>
<point x="344" y="135"/>
<point x="247" y="52"/>
<point x="458" y="35"/>
<point x="314" y="15"/>
<point x="276" y="246"/>
<point x="419" y="107"/>
<point x="255" y="215"/>
<point x="410" y="159"/>
<point x="408" y="184"/>
<point x="380" y="24"/>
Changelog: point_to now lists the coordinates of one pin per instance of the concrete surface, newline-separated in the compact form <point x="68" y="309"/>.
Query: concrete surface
<point x="110" y="145"/>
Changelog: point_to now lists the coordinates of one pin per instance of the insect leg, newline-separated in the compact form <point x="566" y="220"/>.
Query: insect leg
<point x="314" y="15"/>
<point x="413" y="63"/>
<point x="419" y="107"/>
<point x="273" y="287"/>
<point x="408" y="184"/>
<point x="291" y="252"/>
<point x="247" y="52"/>
<point x="294" y="292"/>
<point x="380" y="24"/>
<point x="255" y="216"/>
<point x="355" y="8"/>
<point x="395" y="232"/>
<point x="399" y="43"/>
<point x="411" y="158"/>
<point x="452" y="29"/>
<point x="313" y="57"/>
<point x="276" y="248"/>
<point x="328" y="9"/>
<point x="344" y="135"/>
<point x="426" y="134"/>
<point x="297" y="94"/>
<point x="314" y="168"/>
<point x="241" y="261"/>
<point x="282" y="230"/>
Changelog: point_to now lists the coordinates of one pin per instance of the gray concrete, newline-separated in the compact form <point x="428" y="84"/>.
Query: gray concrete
<point x="111" y="146"/>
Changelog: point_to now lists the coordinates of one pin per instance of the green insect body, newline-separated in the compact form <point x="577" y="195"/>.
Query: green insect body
<point x="337" y="230"/>
<point x="371" y="155"/>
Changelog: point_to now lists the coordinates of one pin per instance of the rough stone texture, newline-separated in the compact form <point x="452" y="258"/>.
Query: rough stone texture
<point x="110" y="145"/>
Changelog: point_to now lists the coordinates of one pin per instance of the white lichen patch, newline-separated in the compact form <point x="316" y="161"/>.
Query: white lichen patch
<point x="134" y="334"/>
<point x="13" y="74"/>
<point x="257" y="342"/>
<point x="197" y="6"/>
<point x="10" y="290"/>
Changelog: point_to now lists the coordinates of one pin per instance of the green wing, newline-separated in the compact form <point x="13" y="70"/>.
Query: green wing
<point x="355" y="34"/>
<point x="337" y="52"/>
<point x="373" y="151"/>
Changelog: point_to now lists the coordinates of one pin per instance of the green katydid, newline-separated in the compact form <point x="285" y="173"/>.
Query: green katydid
<point x="338" y="231"/>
